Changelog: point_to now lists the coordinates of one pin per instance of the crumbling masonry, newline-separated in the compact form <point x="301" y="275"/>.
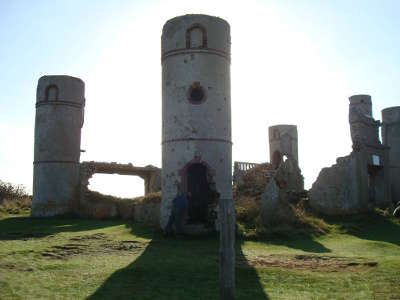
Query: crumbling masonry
<point x="360" y="181"/>
<point x="60" y="181"/>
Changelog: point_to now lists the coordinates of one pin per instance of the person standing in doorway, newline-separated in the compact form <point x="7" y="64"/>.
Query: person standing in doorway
<point x="177" y="217"/>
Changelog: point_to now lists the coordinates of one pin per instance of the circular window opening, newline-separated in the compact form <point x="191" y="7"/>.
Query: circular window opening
<point x="196" y="93"/>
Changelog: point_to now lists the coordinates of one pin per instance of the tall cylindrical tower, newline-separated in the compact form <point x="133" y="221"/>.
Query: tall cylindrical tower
<point x="363" y="128"/>
<point x="196" y="115"/>
<point x="282" y="141"/>
<point x="59" y="118"/>
<point x="391" y="138"/>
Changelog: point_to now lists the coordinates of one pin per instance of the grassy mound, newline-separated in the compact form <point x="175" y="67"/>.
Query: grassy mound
<point x="288" y="219"/>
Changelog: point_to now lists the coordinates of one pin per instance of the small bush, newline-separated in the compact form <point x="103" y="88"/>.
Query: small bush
<point x="14" y="199"/>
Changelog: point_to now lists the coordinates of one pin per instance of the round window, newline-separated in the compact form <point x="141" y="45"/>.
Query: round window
<point x="197" y="94"/>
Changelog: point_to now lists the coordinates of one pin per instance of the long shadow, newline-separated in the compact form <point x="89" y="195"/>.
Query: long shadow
<point x="177" y="269"/>
<point x="21" y="228"/>
<point x="166" y="269"/>
<point x="304" y="242"/>
<point x="372" y="226"/>
<point x="248" y="283"/>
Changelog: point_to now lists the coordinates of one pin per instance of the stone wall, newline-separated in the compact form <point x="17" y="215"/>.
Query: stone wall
<point x="335" y="192"/>
<point x="361" y="181"/>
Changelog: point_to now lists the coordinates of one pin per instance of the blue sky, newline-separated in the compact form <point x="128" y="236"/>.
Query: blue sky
<point x="293" y="62"/>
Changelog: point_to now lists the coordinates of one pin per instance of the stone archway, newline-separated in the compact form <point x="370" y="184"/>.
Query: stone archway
<point x="150" y="174"/>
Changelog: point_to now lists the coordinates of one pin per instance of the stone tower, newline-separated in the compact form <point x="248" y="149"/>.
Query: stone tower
<point x="391" y="138"/>
<point x="282" y="141"/>
<point x="196" y="116"/>
<point x="370" y="158"/>
<point x="363" y="128"/>
<point x="60" y="104"/>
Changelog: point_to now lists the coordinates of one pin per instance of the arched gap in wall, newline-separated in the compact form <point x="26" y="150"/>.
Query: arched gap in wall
<point x="121" y="186"/>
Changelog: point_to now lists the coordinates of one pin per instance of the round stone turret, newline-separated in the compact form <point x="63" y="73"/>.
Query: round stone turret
<point x="391" y="138"/>
<point x="196" y="116"/>
<point x="60" y="104"/>
<point x="363" y="128"/>
<point x="363" y="103"/>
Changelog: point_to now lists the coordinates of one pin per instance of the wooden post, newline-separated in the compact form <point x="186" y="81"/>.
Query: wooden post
<point x="227" y="248"/>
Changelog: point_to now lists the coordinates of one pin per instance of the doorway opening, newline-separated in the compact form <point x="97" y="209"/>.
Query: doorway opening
<point x="202" y="190"/>
<point x="376" y="192"/>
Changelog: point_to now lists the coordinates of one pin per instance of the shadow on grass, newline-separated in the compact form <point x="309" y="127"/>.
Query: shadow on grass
<point x="20" y="228"/>
<point x="372" y="226"/>
<point x="302" y="242"/>
<point x="177" y="269"/>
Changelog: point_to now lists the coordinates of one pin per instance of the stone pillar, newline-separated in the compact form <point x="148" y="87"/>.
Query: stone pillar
<point x="282" y="141"/>
<point x="59" y="118"/>
<point x="391" y="138"/>
<point x="196" y="106"/>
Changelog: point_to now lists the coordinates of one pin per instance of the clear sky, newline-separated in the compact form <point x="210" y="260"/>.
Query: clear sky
<point x="293" y="62"/>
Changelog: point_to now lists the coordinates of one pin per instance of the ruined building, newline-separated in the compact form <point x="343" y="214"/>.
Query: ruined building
<point x="196" y="140"/>
<point x="282" y="142"/>
<point x="60" y="102"/>
<point x="283" y="145"/>
<point x="60" y="181"/>
<point x="361" y="180"/>
<point x="196" y="116"/>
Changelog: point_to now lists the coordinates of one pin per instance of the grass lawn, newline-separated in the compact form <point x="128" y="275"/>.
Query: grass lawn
<point x="77" y="259"/>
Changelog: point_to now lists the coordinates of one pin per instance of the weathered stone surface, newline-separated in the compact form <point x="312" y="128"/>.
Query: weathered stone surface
<point x="391" y="138"/>
<point x="150" y="174"/>
<point x="148" y="213"/>
<point x="282" y="142"/>
<point x="288" y="176"/>
<point x="363" y="128"/>
<point x="269" y="201"/>
<point x="361" y="181"/>
<point x="60" y="103"/>
<point x="335" y="190"/>
<point x="196" y="107"/>
<point x="142" y="209"/>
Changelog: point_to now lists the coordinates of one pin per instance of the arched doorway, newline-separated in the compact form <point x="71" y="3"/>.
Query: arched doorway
<point x="198" y="185"/>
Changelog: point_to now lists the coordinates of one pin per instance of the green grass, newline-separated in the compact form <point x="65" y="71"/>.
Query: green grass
<point x="78" y="259"/>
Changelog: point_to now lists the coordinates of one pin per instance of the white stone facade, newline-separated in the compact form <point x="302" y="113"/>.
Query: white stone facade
<point x="196" y="105"/>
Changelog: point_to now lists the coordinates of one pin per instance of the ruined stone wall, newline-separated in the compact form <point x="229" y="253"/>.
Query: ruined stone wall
<point x="240" y="169"/>
<point x="150" y="174"/>
<point x="361" y="181"/>
<point x="282" y="141"/>
<point x="59" y="118"/>
<point x="391" y="138"/>
<point x="196" y="104"/>
<point x="336" y="190"/>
